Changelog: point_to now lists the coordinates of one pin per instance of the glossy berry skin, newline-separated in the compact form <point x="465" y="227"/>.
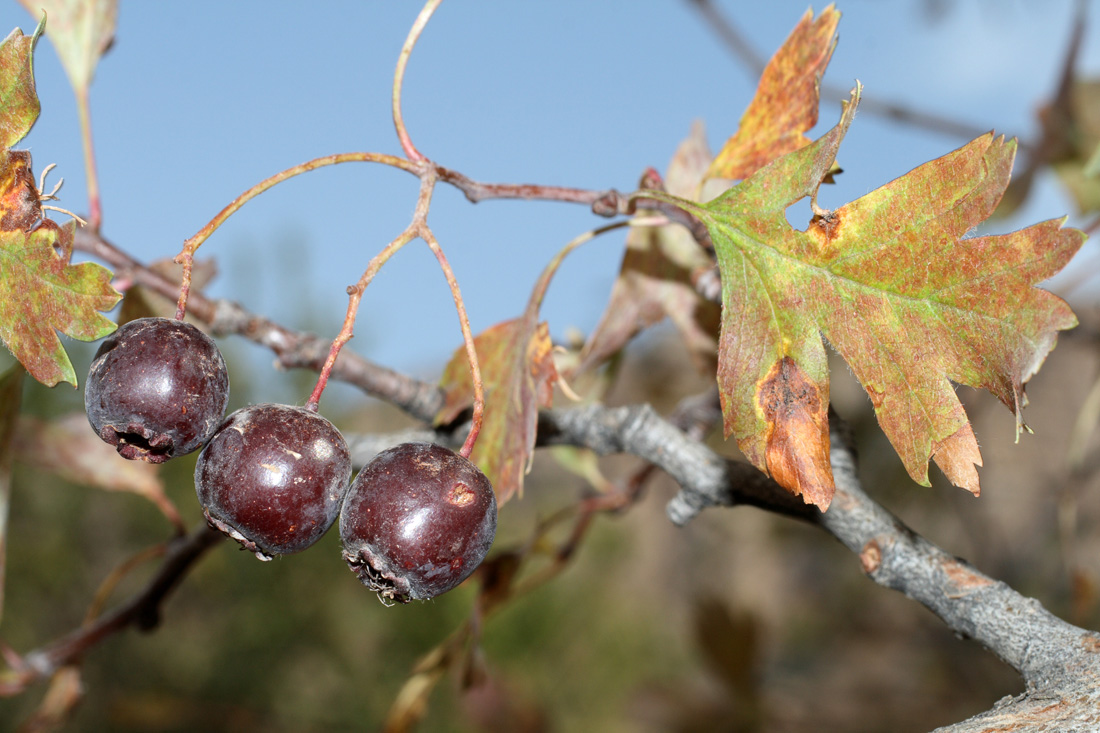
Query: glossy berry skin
<point x="273" y="478"/>
<point x="157" y="389"/>
<point x="417" y="521"/>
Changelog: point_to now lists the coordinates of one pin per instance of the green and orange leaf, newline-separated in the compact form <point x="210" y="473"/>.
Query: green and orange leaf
<point x="518" y="372"/>
<point x="786" y="103"/>
<point x="895" y="286"/>
<point x="42" y="293"/>
<point x="19" y="105"/>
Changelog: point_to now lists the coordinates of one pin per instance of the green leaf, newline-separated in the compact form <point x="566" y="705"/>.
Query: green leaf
<point x="41" y="293"/>
<point x="11" y="391"/>
<point x="895" y="286"/>
<point x="81" y="31"/>
<point x="19" y="106"/>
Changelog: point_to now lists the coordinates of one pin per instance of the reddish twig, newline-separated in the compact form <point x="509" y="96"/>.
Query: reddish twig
<point x="186" y="255"/>
<point x="355" y="295"/>
<point x="399" y="77"/>
<point x="468" y="342"/>
<point x="95" y="208"/>
<point x="607" y="203"/>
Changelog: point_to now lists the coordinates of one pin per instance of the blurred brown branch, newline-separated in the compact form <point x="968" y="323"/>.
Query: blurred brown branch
<point x="142" y="611"/>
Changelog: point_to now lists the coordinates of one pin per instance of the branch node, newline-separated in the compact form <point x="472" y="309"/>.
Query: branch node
<point x="870" y="557"/>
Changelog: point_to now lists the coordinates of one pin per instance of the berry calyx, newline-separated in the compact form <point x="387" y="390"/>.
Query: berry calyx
<point x="273" y="478"/>
<point x="417" y="521"/>
<point x="157" y="389"/>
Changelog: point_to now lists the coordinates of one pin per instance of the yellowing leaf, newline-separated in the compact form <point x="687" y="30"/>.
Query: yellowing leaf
<point x="655" y="280"/>
<point x="786" y="101"/>
<point x="898" y="289"/>
<point x="19" y="105"/>
<point x="41" y="293"/>
<point x="518" y="371"/>
<point x="81" y="31"/>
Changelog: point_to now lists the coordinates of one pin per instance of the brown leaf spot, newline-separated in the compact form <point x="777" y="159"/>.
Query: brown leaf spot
<point x="797" y="452"/>
<point x="541" y="359"/>
<point x="826" y="228"/>
<point x="870" y="557"/>
<point x="963" y="580"/>
<point x="19" y="205"/>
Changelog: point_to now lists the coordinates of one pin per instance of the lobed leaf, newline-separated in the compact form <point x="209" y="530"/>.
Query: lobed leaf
<point x="42" y="293"/>
<point x="785" y="105"/>
<point x="895" y="286"/>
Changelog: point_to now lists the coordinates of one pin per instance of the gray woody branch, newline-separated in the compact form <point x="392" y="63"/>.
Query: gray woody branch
<point x="1059" y="662"/>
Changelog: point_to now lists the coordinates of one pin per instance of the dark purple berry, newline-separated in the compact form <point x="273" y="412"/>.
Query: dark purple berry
<point x="157" y="389"/>
<point x="273" y="478"/>
<point x="417" y="521"/>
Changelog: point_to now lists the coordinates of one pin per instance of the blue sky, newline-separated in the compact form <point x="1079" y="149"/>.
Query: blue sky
<point x="198" y="101"/>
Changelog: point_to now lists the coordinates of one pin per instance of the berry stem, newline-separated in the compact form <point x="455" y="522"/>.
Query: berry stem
<point x="467" y="340"/>
<point x="95" y="210"/>
<point x="416" y="228"/>
<point x="355" y="294"/>
<point x="399" y="77"/>
<point x="188" y="261"/>
<point x="191" y="245"/>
